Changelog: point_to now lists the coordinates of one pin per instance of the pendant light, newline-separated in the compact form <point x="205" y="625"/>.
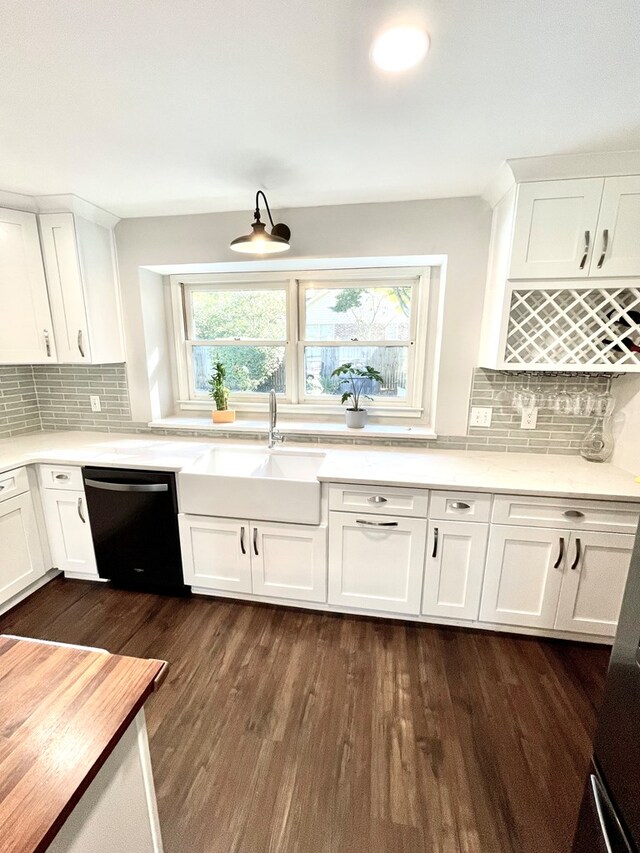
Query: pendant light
<point x="260" y="241"/>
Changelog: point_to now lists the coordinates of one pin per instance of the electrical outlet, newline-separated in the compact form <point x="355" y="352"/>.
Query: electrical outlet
<point x="529" y="419"/>
<point x="481" y="416"/>
<point x="95" y="403"/>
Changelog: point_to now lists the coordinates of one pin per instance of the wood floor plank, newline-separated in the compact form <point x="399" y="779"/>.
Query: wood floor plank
<point x="280" y="731"/>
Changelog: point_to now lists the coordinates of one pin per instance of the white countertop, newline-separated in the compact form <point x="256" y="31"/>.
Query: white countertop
<point x="516" y="473"/>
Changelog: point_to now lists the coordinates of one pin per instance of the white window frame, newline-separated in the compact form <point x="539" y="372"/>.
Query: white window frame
<point x="424" y="344"/>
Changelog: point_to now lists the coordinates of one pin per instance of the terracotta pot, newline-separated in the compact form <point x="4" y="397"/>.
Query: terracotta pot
<point x="223" y="416"/>
<point x="356" y="418"/>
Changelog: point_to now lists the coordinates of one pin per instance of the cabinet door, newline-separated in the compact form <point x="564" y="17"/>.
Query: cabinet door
<point x="215" y="553"/>
<point x="26" y="332"/>
<point x="617" y="248"/>
<point x="289" y="561"/>
<point x="21" y="560"/>
<point x="376" y="562"/>
<point x="454" y="568"/>
<point x="523" y="576"/>
<point x="593" y="583"/>
<point x="62" y="266"/>
<point x="69" y="531"/>
<point x="555" y="228"/>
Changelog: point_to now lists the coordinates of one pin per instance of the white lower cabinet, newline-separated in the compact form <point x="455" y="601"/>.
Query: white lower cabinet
<point x="21" y="561"/>
<point x="215" y="552"/>
<point x="276" y="560"/>
<point x="454" y="569"/>
<point x="65" y="513"/>
<point x="289" y="561"/>
<point x="593" y="584"/>
<point x="376" y="562"/>
<point x="523" y="576"/>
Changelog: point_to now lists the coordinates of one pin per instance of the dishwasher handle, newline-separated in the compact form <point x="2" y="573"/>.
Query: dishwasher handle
<point x="127" y="487"/>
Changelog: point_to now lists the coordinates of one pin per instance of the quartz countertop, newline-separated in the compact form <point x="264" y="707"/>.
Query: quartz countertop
<point x="62" y="711"/>
<point x="516" y="473"/>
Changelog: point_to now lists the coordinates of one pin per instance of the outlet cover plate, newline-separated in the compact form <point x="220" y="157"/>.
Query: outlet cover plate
<point x="529" y="419"/>
<point x="481" y="416"/>
<point x="95" y="403"/>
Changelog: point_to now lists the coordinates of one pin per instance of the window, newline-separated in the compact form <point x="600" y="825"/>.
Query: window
<point x="290" y="332"/>
<point x="364" y="323"/>
<point x="243" y="326"/>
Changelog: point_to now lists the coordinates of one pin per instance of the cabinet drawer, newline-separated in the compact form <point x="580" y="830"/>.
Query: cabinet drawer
<point x="566" y="513"/>
<point x="13" y="483"/>
<point x="384" y="500"/>
<point x="61" y="477"/>
<point x="468" y="506"/>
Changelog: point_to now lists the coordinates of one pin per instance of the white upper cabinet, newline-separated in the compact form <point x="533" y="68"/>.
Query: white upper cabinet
<point x="26" y="331"/>
<point x="81" y="275"/>
<point x="617" y="248"/>
<point x="555" y="228"/>
<point x="588" y="227"/>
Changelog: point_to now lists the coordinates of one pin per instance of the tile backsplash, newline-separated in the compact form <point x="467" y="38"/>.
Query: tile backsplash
<point x="19" y="413"/>
<point x="63" y="396"/>
<point x="554" y="433"/>
<point x="56" y="397"/>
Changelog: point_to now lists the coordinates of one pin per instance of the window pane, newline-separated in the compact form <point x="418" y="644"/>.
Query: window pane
<point x="362" y="313"/>
<point x="390" y="362"/>
<point x="228" y="314"/>
<point x="249" y="369"/>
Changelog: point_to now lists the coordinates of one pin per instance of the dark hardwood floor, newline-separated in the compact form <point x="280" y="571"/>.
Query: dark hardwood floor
<point x="279" y="731"/>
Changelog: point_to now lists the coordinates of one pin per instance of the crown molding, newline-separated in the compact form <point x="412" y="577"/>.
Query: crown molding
<point x="66" y="203"/>
<point x="560" y="167"/>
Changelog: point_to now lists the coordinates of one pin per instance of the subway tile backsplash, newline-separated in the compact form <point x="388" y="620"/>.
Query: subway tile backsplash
<point x="56" y="397"/>
<point x="19" y="413"/>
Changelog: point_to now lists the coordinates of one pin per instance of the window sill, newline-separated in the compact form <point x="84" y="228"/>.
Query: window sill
<point x="381" y="431"/>
<point x="334" y="410"/>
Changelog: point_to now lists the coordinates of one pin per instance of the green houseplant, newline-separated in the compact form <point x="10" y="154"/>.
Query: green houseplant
<point x="354" y="378"/>
<point x="222" y="414"/>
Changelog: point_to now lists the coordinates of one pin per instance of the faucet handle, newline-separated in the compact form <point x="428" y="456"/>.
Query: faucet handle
<point x="278" y="437"/>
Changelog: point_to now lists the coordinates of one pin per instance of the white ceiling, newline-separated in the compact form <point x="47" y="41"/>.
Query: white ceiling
<point x="151" y="107"/>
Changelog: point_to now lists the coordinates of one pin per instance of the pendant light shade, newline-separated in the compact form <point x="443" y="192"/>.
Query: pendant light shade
<point x="260" y="241"/>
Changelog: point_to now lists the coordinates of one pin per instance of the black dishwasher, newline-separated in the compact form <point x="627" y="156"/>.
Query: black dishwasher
<point x="134" y="524"/>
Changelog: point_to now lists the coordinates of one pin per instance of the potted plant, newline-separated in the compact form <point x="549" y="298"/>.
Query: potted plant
<point x="354" y="378"/>
<point x="220" y="393"/>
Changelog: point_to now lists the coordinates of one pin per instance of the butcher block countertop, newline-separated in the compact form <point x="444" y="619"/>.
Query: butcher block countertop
<point x="62" y="711"/>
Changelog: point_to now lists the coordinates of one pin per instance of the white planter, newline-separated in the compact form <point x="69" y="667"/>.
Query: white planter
<point x="356" y="418"/>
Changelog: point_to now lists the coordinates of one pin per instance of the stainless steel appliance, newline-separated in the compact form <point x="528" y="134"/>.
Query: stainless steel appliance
<point x="610" y="813"/>
<point x="134" y="524"/>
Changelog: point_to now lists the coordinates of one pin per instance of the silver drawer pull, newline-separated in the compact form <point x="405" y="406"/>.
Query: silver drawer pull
<point x="573" y="513"/>
<point x="80" y="346"/>
<point x="377" y="523"/>
<point x="62" y="476"/>
<point x="2" y="487"/>
<point x="80" y="513"/>
<point x="377" y="499"/>
<point x="459" y="505"/>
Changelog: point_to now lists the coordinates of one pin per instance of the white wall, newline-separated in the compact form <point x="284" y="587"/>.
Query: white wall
<point x="626" y="390"/>
<point x="458" y="227"/>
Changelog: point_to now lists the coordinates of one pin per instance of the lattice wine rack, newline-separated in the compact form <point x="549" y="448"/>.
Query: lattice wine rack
<point x="586" y="328"/>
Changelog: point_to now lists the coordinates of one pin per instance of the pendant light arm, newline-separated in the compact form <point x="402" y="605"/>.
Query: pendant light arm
<point x="266" y="204"/>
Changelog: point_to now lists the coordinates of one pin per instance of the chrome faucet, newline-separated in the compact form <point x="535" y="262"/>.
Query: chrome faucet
<point x="275" y="436"/>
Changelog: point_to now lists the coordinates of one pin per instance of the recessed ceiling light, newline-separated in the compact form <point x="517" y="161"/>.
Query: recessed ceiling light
<point x="400" y="48"/>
